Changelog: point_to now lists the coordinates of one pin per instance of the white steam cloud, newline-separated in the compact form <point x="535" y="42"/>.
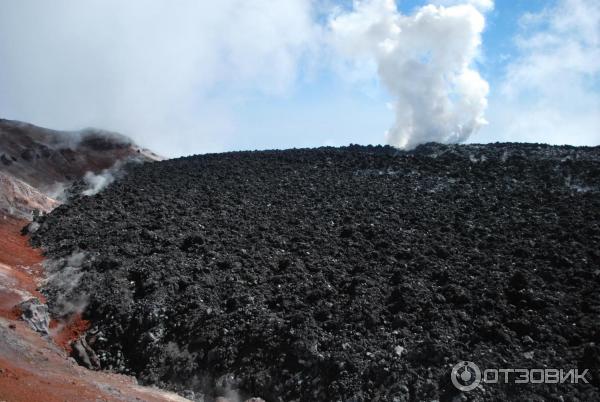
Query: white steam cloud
<point x="165" y="73"/>
<point x="425" y="61"/>
<point x="63" y="276"/>
<point x="96" y="182"/>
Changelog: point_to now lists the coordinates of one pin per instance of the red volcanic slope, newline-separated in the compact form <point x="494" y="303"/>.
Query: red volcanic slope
<point x="20" y="267"/>
<point x="33" y="368"/>
<point x="32" y="161"/>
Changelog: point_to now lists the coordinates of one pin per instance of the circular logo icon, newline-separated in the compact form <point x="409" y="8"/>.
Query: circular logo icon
<point x="466" y="376"/>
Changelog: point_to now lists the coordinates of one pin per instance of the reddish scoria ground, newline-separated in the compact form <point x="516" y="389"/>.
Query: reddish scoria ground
<point x="33" y="368"/>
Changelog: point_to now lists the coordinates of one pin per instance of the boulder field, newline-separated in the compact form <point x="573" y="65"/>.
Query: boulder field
<point x="339" y="274"/>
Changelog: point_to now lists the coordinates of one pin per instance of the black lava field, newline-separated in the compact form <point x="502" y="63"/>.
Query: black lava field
<point x="341" y="274"/>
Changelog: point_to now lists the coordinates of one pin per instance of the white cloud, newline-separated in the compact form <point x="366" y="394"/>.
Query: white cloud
<point x="482" y="5"/>
<point x="551" y="91"/>
<point x="178" y="76"/>
<point x="163" y="72"/>
<point x="425" y="61"/>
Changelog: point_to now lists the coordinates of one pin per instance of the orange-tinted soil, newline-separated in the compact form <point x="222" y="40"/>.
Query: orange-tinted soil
<point x="20" y="268"/>
<point x="14" y="248"/>
<point x="65" y="332"/>
<point x="20" y="265"/>
<point x="34" y="368"/>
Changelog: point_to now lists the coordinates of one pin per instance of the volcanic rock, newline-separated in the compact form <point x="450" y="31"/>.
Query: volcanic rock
<point x="84" y="355"/>
<point x="298" y="273"/>
<point x="35" y="314"/>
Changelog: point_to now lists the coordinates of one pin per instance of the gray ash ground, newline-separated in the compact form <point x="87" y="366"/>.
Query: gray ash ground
<point x="350" y="274"/>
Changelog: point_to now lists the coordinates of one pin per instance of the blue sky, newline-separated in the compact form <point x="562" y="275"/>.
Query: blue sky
<point x="197" y="77"/>
<point x="502" y="26"/>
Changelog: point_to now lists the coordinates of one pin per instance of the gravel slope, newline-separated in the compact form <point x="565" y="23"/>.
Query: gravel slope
<point x="357" y="273"/>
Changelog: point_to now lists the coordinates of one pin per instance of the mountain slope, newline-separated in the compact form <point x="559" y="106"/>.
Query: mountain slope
<point x="37" y="164"/>
<point x="357" y="273"/>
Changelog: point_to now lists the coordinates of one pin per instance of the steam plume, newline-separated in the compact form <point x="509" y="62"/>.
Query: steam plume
<point x="97" y="182"/>
<point x="425" y="61"/>
<point x="63" y="276"/>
